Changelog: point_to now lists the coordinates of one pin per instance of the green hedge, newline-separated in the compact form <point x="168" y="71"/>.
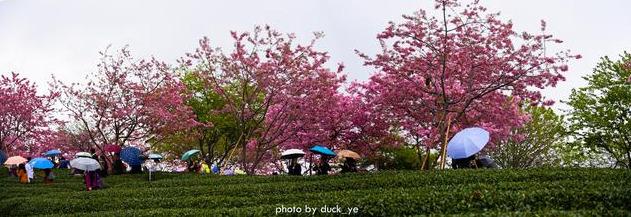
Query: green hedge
<point x="466" y="192"/>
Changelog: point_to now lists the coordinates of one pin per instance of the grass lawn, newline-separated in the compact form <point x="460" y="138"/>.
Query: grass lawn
<point x="554" y="192"/>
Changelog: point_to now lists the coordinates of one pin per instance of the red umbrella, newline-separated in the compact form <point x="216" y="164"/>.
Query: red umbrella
<point x="113" y="148"/>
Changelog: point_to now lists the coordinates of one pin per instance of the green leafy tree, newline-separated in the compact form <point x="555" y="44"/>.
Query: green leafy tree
<point x="217" y="132"/>
<point x="540" y="142"/>
<point x="601" y="111"/>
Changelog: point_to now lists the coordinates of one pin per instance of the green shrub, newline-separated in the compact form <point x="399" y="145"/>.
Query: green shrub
<point x="454" y="192"/>
<point x="398" y="159"/>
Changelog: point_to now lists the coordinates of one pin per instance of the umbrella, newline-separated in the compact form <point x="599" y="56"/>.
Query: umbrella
<point x="292" y="153"/>
<point x="41" y="163"/>
<point x="154" y="156"/>
<point x="83" y="154"/>
<point x="113" y="148"/>
<point x="52" y="153"/>
<point x="85" y="164"/>
<point x="348" y="154"/>
<point x="467" y="143"/>
<point x="189" y="154"/>
<point x="322" y="150"/>
<point x="131" y="156"/>
<point x="3" y="157"/>
<point x="15" y="160"/>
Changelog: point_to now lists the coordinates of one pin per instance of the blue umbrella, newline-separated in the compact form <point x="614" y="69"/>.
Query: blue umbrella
<point x="3" y="157"/>
<point x="189" y="154"/>
<point x="467" y="143"/>
<point x="52" y="153"/>
<point x="41" y="163"/>
<point x="131" y="156"/>
<point x="322" y="150"/>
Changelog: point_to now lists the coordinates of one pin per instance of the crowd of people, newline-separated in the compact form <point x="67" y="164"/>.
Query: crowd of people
<point x="26" y="174"/>
<point x="94" y="179"/>
<point x="322" y="166"/>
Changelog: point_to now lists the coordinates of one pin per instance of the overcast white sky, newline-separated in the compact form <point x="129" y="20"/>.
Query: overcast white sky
<point x="63" y="37"/>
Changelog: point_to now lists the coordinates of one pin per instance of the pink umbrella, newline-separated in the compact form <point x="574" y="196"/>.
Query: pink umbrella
<point x="113" y="148"/>
<point x="15" y="160"/>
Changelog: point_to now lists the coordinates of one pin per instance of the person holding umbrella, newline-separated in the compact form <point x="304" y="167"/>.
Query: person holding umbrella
<point x="118" y="166"/>
<point x="323" y="167"/>
<point x="48" y="176"/>
<point x="13" y="163"/>
<point x="465" y="145"/>
<point x="152" y="165"/>
<point x="324" y="152"/>
<point x="91" y="180"/>
<point x="90" y="176"/>
<point x="63" y="163"/>
<point x="486" y="161"/>
<point x="29" y="170"/>
<point x="350" y="160"/>
<point x="349" y="166"/>
<point x="133" y="157"/>
<point x="46" y="165"/>
<point x="22" y="174"/>
<point x="192" y="165"/>
<point x="52" y="154"/>
<point x="293" y="168"/>
<point x="464" y="163"/>
<point x="13" y="170"/>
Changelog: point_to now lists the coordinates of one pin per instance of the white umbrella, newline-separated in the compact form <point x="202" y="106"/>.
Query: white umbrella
<point x="83" y="154"/>
<point x="85" y="164"/>
<point x="292" y="153"/>
<point x="154" y="156"/>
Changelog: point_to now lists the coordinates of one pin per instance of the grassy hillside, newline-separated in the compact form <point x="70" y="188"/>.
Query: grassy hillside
<point x="490" y="192"/>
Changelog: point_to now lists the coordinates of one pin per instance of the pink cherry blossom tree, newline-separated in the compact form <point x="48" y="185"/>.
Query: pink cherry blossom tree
<point x="26" y="121"/>
<point x="269" y="83"/>
<point x="346" y="122"/>
<point x="464" y="67"/>
<point x="127" y="101"/>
